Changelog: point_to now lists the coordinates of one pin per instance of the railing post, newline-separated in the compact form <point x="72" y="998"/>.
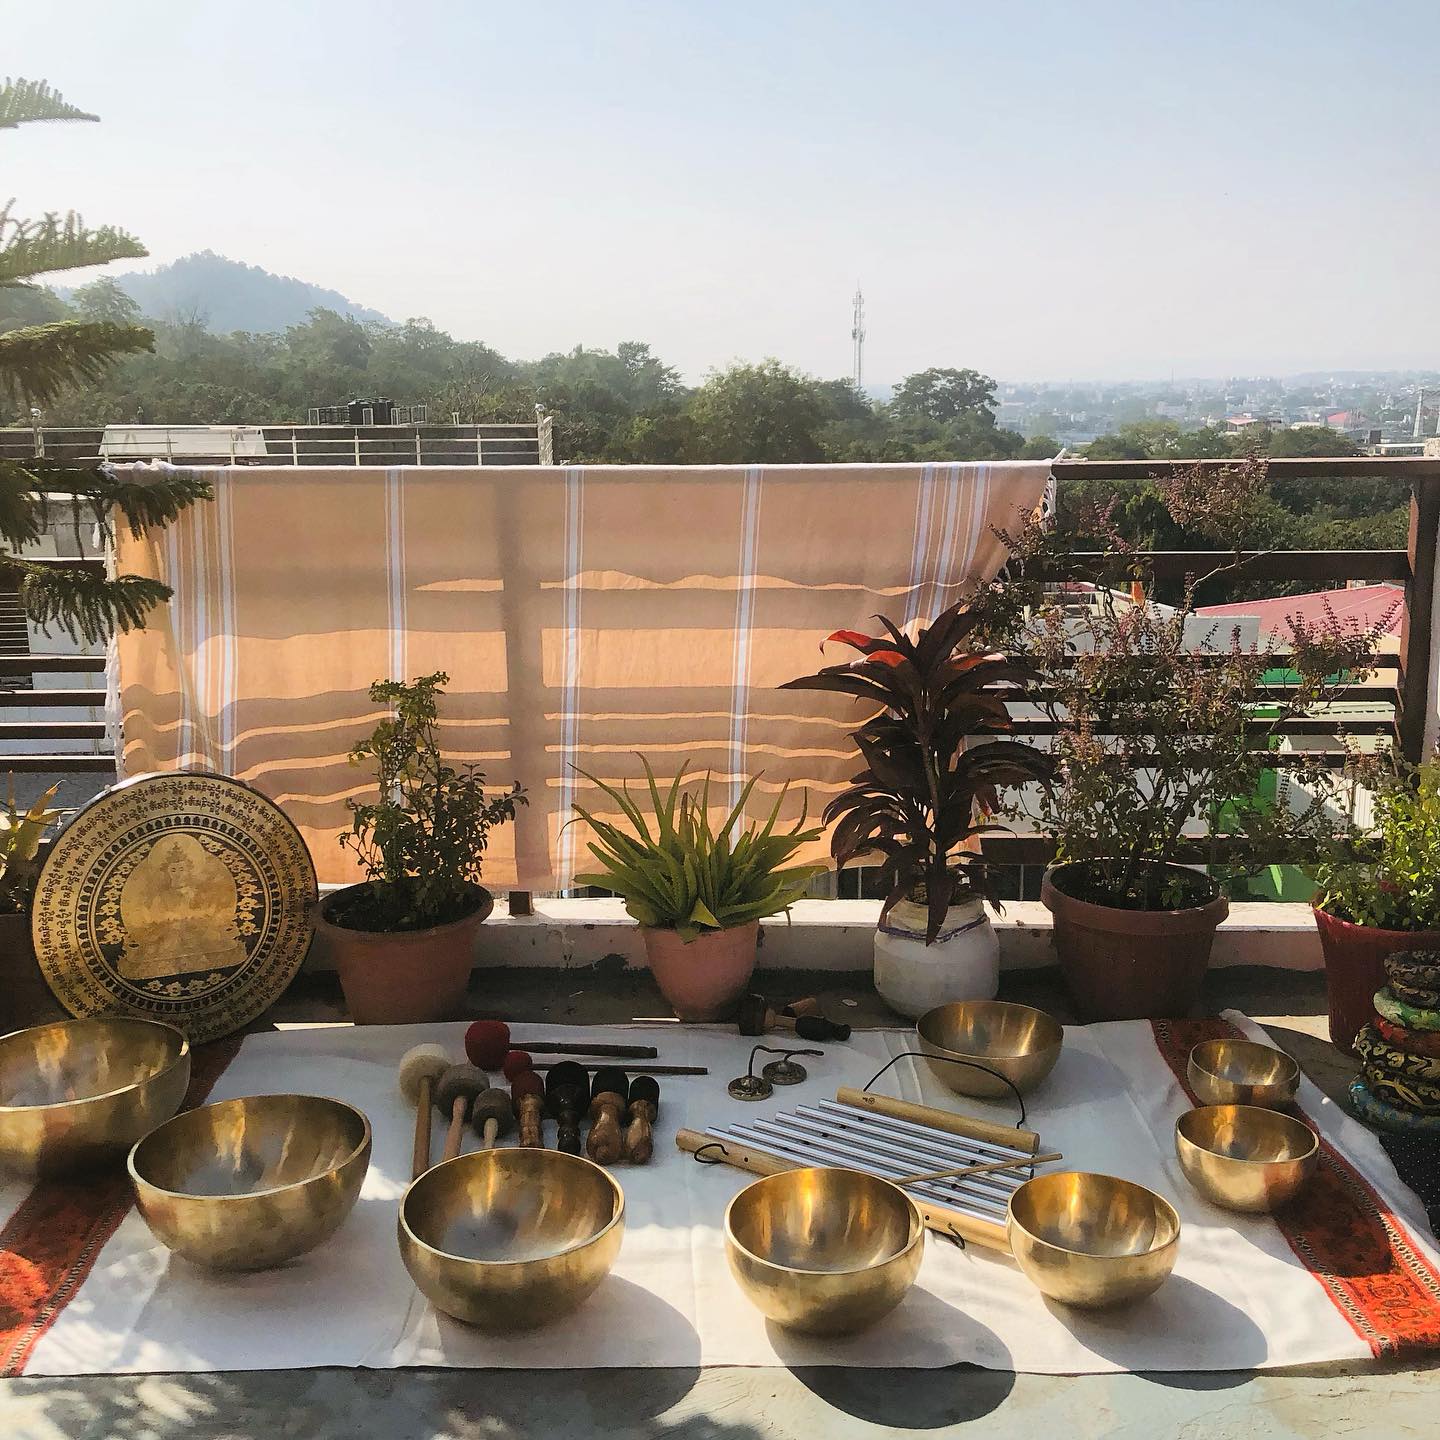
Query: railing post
<point x="545" y="439"/>
<point x="418" y="460"/>
<point x="357" y="448"/>
<point x="294" y="449"/>
<point x="1418" y="655"/>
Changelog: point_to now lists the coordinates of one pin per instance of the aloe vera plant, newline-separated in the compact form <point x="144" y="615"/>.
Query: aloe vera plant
<point x="682" y="875"/>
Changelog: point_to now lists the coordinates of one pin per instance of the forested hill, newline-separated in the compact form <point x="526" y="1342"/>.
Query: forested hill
<point x="224" y="295"/>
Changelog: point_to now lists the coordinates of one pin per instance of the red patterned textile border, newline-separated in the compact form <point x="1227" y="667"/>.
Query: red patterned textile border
<point x="1341" y="1231"/>
<point x="50" y="1243"/>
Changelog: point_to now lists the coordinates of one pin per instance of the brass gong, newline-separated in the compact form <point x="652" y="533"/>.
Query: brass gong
<point x="184" y="897"/>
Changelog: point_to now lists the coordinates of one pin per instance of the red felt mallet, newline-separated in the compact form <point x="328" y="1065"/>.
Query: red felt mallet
<point x="488" y="1041"/>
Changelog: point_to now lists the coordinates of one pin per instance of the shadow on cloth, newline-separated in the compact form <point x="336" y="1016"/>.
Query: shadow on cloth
<point x="1177" y="1318"/>
<point x="915" y="1399"/>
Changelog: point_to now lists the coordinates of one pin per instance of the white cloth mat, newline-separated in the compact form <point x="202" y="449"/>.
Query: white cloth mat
<point x="1238" y="1298"/>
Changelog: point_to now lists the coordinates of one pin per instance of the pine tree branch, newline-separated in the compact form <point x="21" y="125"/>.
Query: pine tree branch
<point x="85" y="605"/>
<point x="29" y="248"/>
<point x="38" y="361"/>
<point x="25" y="101"/>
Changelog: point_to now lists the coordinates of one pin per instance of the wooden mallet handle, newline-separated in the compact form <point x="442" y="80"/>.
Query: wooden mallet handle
<point x="603" y="1143"/>
<point x="644" y="1108"/>
<point x="530" y="1114"/>
<point x="420" y="1160"/>
<point x="459" y="1108"/>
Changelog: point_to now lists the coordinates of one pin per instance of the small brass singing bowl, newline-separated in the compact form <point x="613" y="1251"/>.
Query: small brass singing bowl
<point x="80" y="1093"/>
<point x="1092" y="1240"/>
<point x="249" y="1184"/>
<point x="1019" y="1042"/>
<point x="1242" y="1072"/>
<point x="825" y="1251"/>
<point x="1244" y="1157"/>
<point x="511" y="1239"/>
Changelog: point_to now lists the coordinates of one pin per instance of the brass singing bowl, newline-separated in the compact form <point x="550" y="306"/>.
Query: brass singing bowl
<point x="1244" y="1157"/>
<point x="511" y="1239"/>
<point x="248" y="1184"/>
<point x="824" y="1250"/>
<point x="1242" y="1072"/>
<point x="1021" y="1043"/>
<point x="80" y="1093"/>
<point x="1092" y="1240"/>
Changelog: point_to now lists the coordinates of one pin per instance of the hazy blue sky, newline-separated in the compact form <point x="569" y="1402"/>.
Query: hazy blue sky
<point x="1082" y="188"/>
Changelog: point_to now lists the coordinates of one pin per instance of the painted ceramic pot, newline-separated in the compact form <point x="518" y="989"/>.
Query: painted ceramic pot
<point x="1384" y="1116"/>
<point x="1412" y="1017"/>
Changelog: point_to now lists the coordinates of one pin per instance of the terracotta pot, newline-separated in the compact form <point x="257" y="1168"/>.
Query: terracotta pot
<point x="1355" y="969"/>
<point x="404" y="977"/>
<point x="704" y="979"/>
<point x="25" y="998"/>
<point x="1131" y="964"/>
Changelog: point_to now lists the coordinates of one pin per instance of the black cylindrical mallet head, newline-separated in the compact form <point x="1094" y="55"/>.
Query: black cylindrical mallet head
<point x="567" y="1087"/>
<point x="644" y="1103"/>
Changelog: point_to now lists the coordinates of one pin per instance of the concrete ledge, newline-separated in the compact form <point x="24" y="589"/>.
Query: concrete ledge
<point x="836" y="935"/>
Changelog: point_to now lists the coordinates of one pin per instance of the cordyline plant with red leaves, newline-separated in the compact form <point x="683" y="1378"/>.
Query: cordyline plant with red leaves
<point x="924" y="790"/>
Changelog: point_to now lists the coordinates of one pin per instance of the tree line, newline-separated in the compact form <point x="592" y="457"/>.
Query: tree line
<point x="627" y="406"/>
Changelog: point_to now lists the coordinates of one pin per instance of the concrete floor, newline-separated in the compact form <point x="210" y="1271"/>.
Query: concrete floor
<point x="745" y="1404"/>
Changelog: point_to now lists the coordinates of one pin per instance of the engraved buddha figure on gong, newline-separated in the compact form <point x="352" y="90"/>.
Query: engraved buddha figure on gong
<point x="178" y="911"/>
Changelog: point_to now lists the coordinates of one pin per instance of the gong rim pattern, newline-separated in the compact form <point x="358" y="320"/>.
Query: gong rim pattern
<point x="186" y="896"/>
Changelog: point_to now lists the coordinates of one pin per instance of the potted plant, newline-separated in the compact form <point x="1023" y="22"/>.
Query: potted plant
<point x="929" y="781"/>
<point x="403" y="940"/>
<point x="1379" y="888"/>
<point x="699" y="893"/>
<point x="25" y="999"/>
<point x="1166" y="733"/>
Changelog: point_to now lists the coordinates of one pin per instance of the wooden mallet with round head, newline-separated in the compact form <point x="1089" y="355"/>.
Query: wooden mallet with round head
<point x="420" y="1067"/>
<point x="607" y="1108"/>
<point x="644" y="1108"/>
<point x="567" y="1088"/>
<point x="455" y="1093"/>
<point x="492" y="1115"/>
<point x="527" y="1091"/>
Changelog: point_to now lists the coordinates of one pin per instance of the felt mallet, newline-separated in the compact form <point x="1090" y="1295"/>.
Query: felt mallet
<point x="567" y="1087"/>
<point x="755" y="1017"/>
<point x="455" y="1092"/>
<point x="420" y="1067"/>
<point x="644" y="1108"/>
<point x="607" y="1108"/>
<point x="492" y="1115"/>
<point x="487" y="1041"/>
<point x="527" y="1091"/>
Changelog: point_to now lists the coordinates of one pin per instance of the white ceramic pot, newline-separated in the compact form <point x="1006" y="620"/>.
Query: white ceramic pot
<point x="963" y="963"/>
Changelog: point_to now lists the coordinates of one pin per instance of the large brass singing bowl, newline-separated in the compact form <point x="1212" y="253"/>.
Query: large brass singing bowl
<point x="1021" y="1043"/>
<point x="1242" y="1072"/>
<point x="511" y="1239"/>
<point x="251" y="1183"/>
<point x="826" y="1251"/>
<point x="81" y="1092"/>
<point x="1092" y="1240"/>
<point x="1244" y="1157"/>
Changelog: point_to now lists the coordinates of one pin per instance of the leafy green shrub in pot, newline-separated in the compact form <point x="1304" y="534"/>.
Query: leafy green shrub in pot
<point x="698" y="892"/>
<point x="403" y="939"/>
<point x="1166" y="738"/>
<point x="25" y="998"/>
<point x="1379" y="887"/>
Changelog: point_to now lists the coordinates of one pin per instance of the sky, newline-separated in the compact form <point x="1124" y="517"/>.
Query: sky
<point x="1099" y="190"/>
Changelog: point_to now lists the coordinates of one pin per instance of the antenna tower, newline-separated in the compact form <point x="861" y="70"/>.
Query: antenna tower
<point x="857" y="334"/>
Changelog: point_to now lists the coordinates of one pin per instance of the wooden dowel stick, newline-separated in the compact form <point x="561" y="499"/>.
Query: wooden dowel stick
<point x="946" y="1120"/>
<point x="984" y="1168"/>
